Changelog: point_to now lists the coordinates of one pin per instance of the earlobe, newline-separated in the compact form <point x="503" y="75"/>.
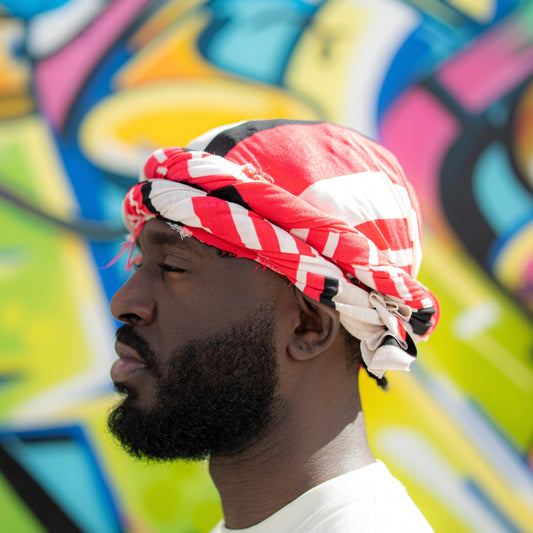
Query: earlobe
<point x="316" y="331"/>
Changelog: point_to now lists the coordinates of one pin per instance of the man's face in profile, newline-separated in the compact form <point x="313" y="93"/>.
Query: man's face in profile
<point x="198" y="357"/>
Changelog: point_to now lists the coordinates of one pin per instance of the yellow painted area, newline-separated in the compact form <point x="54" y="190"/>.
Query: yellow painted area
<point x="496" y="362"/>
<point x="50" y="184"/>
<point x="472" y="286"/>
<point x="506" y="362"/>
<point x="481" y="10"/>
<point x="494" y="356"/>
<point x="167" y="94"/>
<point x="441" y="259"/>
<point x="80" y="269"/>
<point x="397" y="407"/>
<point x="518" y="252"/>
<point x="188" y="482"/>
<point x="318" y="66"/>
<point x="162" y="20"/>
<point x="51" y="346"/>
<point x="119" y="133"/>
<point x="173" y="55"/>
<point x="13" y="316"/>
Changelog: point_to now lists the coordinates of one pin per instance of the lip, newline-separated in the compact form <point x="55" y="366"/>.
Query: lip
<point x="127" y="353"/>
<point x="127" y="365"/>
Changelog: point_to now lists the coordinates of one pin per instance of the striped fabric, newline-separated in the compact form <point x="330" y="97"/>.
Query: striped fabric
<point x="318" y="203"/>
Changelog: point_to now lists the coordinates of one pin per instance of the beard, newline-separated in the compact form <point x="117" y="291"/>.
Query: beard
<point x="216" y="397"/>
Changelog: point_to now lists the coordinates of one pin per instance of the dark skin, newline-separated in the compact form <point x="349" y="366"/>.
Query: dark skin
<point x="185" y="289"/>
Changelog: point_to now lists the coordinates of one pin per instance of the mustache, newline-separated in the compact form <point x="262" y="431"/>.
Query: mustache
<point x="127" y="335"/>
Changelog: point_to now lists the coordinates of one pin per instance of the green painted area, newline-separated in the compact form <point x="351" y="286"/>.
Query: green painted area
<point x="483" y="345"/>
<point x="38" y="316"/>
<point x="14" y="515"/>
<point x="525" y="16"/>
<point x="15" y="170"/>
<point x="494" y="367"/>
<point x="186" y="497"/>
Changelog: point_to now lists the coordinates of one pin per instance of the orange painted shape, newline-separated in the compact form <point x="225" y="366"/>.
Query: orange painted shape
<point x="173" y="55"/>
<point x="16" y="106"/>
<point x="14" y="75"/>
<point x="121" y="131"/>
<point x="162" y="20"/>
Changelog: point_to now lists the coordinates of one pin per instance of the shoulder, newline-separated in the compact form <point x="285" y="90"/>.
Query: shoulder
<point x="368" y="500"/>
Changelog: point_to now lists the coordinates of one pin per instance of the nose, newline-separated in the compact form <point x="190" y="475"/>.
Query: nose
<point x="132" y="303"/>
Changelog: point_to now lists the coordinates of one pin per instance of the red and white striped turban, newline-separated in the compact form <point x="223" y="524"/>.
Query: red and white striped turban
<point x="318" y="203"/>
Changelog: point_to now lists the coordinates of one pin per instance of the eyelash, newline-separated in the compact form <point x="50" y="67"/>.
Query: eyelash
<point x="136" y="263"/>
<point x="168" y="268"/>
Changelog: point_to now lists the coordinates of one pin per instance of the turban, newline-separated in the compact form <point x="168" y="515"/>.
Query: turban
<point x="318" y="203"/>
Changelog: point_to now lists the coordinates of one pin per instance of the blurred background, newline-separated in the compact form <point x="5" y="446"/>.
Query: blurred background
<point x="88" y="88"/>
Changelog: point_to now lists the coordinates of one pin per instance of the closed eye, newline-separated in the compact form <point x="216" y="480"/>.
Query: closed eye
<point x="170" y="268"/>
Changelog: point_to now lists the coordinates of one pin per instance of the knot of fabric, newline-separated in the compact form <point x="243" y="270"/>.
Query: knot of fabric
<point x="350" y="240"/>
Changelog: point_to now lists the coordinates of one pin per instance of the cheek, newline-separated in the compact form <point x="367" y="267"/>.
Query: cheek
<point x="181" y="321"/>
<point x="202" y="313"/>
<point x="187" y="312"/>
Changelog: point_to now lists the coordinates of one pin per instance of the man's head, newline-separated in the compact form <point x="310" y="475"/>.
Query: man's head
<point x="223" y="339"/>
<point x="203" y="327"/>
<point x="207" y="348"/>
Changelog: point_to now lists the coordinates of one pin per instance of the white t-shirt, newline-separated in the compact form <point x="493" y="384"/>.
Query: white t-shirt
<point x="366" y="500"/>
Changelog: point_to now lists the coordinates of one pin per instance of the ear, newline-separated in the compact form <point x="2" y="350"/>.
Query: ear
<point x="316" y="331"/>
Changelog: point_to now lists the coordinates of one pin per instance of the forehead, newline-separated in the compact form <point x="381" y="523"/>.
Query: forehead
<point x="244" y="276"/>
<point x="158" y="233"/>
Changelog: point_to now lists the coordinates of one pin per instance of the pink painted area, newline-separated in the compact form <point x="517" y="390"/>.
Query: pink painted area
<point x="419" y="131"/>
<point x="59" y="78"/>
<point x="488" y="69"/>
<point x="528" y="273"/>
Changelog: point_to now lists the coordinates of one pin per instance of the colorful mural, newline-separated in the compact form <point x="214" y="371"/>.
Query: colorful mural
<point x="88" y="88"/>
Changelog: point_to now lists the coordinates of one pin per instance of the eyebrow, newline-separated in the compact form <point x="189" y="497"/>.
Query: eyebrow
<point x="164" y="238"/>
<point x="161" y="237"/>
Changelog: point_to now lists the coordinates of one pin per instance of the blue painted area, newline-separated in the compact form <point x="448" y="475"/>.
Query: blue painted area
<point x="501" y="243"/>
<point x="490" y="506"/>
<point x="504" y="7"/>
<point x="429" y="45"/>
<point x="500" y="8"/>
<point x="63" y="463"/>
<point x="254" y="38"/>
<point x="504" y="202"/>
<point x="10" y="378"/>
<point x="27" y="9"/>
<point x="98" y="196"/>
<point x="87" y="180"/>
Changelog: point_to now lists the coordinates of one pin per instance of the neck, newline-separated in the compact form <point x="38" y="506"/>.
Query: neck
<point x="285" y="464"/>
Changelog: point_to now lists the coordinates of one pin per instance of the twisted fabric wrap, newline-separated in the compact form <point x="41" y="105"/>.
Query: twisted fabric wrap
<point x="318" y="203"/>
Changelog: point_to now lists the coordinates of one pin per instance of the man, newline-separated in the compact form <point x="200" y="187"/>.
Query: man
<point x="268" y="273"/>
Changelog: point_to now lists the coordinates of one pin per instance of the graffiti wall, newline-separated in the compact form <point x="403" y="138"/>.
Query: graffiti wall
<point x="88" y="88"/>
